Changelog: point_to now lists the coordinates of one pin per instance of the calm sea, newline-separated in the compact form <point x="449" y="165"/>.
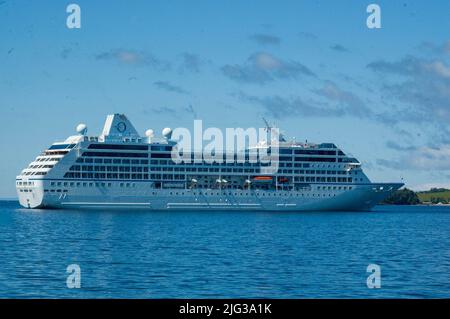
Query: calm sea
<point x="125" y="254"/>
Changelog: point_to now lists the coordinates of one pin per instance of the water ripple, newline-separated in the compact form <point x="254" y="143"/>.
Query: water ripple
<point x="225" y="255"/>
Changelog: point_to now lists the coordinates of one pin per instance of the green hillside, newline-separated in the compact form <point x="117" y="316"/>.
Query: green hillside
<point x="406" y="196"/>
<point x="403" y="196"/>
<point x="435" y="195"/>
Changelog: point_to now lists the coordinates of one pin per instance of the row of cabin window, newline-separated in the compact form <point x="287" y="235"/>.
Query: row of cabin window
<point x="111" y="161"/>
<point x="280" y="152"/>
<point x="263" y="194"/>
<point x="49" y="153"/>
<point x="282" y="159"/>
<point x="132" y="185"/>
<point x="240" y="170"/>
<point x="309" y="152"/>
<point x="130" y="147"/>
<point x="19" y="183"/>
<point x="88" y="168"/>
<point x="181" y="177"/>
<point x="41" y="166"/>
<point x="256" y="165"/>
<point x="164" y="162"/>
<point x="268" y="194"/>
<point x="47" y="159"/>
<point x="139" y="169"/>
<point x="125" y="176"/>
<point x="324" y="179"/>
<point x="107" y="176"/>
<point x="34" y="173"/>
<point x="89" y="184"/>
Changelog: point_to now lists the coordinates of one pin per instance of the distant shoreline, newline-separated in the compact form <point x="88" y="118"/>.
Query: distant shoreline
<point x="432" y="197"/>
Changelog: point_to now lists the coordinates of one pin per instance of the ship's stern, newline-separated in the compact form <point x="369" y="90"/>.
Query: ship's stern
<point x="30" y="193"/>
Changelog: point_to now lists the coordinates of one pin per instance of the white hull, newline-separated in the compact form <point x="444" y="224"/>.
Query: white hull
<point x="359" y="198"/>
<point x="122" y="170"/>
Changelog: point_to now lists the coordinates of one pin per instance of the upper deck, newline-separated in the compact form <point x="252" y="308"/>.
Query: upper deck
<point x="121" y="154"/>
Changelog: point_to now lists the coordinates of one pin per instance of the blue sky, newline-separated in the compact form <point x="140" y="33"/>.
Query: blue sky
<point x="312" y="67"/>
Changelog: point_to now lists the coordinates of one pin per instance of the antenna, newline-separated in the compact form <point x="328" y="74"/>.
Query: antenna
<point x="270" y="127"/>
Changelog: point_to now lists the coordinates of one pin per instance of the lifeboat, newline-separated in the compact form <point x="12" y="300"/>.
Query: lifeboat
<point x="263" y="179"/>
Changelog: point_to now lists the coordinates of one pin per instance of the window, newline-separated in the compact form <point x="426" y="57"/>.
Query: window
<point x="315" y="159"/>
<point x="118" y="147"/>
<point x="61" y="146"/>
<point x="112" y="154"/>
<point x="161" y="148"/>
<point x="157" y="155"/>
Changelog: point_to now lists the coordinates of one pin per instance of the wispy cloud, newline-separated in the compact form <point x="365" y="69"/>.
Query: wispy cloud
<point x="265" y="39"/>
<point x="135" y="58"/>
<point x="423" y="84"/>
<point x="164" y="110"/>
<point x="347" y="101"/>
<point x="393" y="145"/>
<point x="262" y="67"/>
<point x="191" y="62"/>
<point x="65" y="53"/>
<point x="328" y="101"/>
<point x="280" y="108"/>
<point x="389" y="164"/>
<point x="307" y="35"/>
<point x="442" y="49"/>
<point x="339" y="48"/>
<point x="164" y="85"/>
<point x="172" y="111"/>
<point x="424" y="158"/>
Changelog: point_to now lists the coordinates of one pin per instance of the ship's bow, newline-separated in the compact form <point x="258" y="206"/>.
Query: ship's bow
<point x="377" y="192"/>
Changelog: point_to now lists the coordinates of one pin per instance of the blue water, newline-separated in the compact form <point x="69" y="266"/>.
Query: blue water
<point x="220" y="255"/>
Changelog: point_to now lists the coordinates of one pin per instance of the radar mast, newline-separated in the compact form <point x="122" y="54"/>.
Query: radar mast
<point x="276" y="133"/>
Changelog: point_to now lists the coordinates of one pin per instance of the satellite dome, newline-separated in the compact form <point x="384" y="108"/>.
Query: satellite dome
<point x="81" y="129"/>
<point x="149" y="133"/>
<point x="167" y="133"/>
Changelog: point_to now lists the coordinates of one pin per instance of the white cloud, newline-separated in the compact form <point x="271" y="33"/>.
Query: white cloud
<point x="133" y="57"/>
<point x="424" y="158"/>
<point x="428" y="186"/>
<point x="262" y="67"/>
<point x="438" y="68"/>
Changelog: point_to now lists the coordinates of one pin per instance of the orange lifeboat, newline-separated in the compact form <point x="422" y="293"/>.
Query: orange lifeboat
<point x="283" y="180"/>
<point x="263" y="179"/>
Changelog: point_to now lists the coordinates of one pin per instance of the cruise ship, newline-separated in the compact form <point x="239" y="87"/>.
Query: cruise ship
<point x="120" y="169"/>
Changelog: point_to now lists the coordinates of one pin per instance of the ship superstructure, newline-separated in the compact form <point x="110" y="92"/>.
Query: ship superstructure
<point x="121" y="169"/>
